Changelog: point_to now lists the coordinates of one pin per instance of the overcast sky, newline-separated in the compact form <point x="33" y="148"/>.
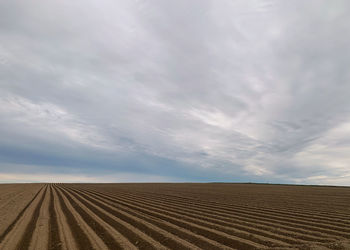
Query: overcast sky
<point x="186" y="90"/>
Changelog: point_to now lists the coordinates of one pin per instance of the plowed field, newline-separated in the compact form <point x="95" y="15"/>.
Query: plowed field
<point x="173" y="216"/>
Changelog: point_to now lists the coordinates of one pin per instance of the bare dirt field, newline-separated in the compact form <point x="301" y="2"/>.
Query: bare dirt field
<point x="173" y="216"/>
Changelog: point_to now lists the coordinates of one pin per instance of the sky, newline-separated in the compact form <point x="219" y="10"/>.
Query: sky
<point x="175" y="91"/>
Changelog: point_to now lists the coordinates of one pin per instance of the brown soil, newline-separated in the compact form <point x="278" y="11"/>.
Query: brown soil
<point x="174" y="216"/>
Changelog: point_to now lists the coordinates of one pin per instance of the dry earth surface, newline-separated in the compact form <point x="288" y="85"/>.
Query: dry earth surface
<point x="173" y="216"/>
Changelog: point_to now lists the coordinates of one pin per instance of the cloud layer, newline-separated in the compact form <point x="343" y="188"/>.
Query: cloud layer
<point x="175" y="91"/>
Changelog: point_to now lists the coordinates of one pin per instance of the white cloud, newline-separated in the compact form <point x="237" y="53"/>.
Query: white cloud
<point x="237" y="88"/>
<point x="47" y="118"/>
<point x="213" y="118"/>
<point x="329" y="154"/>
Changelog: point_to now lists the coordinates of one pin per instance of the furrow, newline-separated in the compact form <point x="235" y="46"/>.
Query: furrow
<point x="237" y="220"/>
<point x="272" y="232"/>
<point x="323" y="228"/>
<point x="138" y="238"/>
<point x="54" y="242"/>
<point x="330" y="217"/>
<point x="80" y="237"/>
<point x="20" y="236"/>
<point x="310" y="216"/>
<point x="260" y="237"/>
<point x="112" y="238"/>
<point x="41" y="230"/>
<point x="331" y="224"/>
<point x="163" y="237"/>
<point x="169" y="233"/>
<point x="338" y="222"/>
<point x="27" y="237"/>
<point x="87" y="226"/>
<point x="224" y="238"/>
<point x="19" y="216"/>
<point x="67" y="241"/>
<point x="336" y="215"/>
<point x="217" y="213"/>
<point x="227" y="217"/>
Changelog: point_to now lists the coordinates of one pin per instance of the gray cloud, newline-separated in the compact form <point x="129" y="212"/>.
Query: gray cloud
<point x="185" y="90"/>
